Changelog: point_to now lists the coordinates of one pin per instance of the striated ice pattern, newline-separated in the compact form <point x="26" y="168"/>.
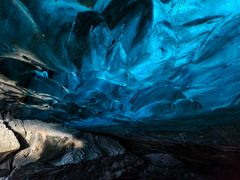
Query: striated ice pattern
<point x="125" y="60"/>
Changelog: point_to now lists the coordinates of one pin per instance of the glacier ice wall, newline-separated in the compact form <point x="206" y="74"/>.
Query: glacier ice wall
<point x="124" y="60"/>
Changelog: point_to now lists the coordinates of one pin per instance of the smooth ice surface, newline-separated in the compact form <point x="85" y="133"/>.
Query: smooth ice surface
<point x="126" y="60"/>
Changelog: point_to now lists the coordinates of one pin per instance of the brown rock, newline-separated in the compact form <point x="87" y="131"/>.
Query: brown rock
<point x="8" y="141"/>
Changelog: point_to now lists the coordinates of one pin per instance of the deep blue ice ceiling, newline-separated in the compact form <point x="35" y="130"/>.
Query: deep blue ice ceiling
<point x="151" y="59"/>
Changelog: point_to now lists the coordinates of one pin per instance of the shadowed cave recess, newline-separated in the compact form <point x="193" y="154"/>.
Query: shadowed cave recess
<point x="120" y="89"/>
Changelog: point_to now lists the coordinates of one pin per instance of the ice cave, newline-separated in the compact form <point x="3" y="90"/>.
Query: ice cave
<point x="120" y="89"/>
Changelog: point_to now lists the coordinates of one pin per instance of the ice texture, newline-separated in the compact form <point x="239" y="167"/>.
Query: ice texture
<point x="125" y="60"/>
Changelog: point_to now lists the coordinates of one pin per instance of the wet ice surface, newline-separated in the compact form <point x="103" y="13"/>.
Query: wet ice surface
<point x="116" y="62"/>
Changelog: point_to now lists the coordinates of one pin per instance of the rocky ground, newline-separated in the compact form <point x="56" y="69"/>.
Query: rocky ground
<point x="38" y="150"/>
